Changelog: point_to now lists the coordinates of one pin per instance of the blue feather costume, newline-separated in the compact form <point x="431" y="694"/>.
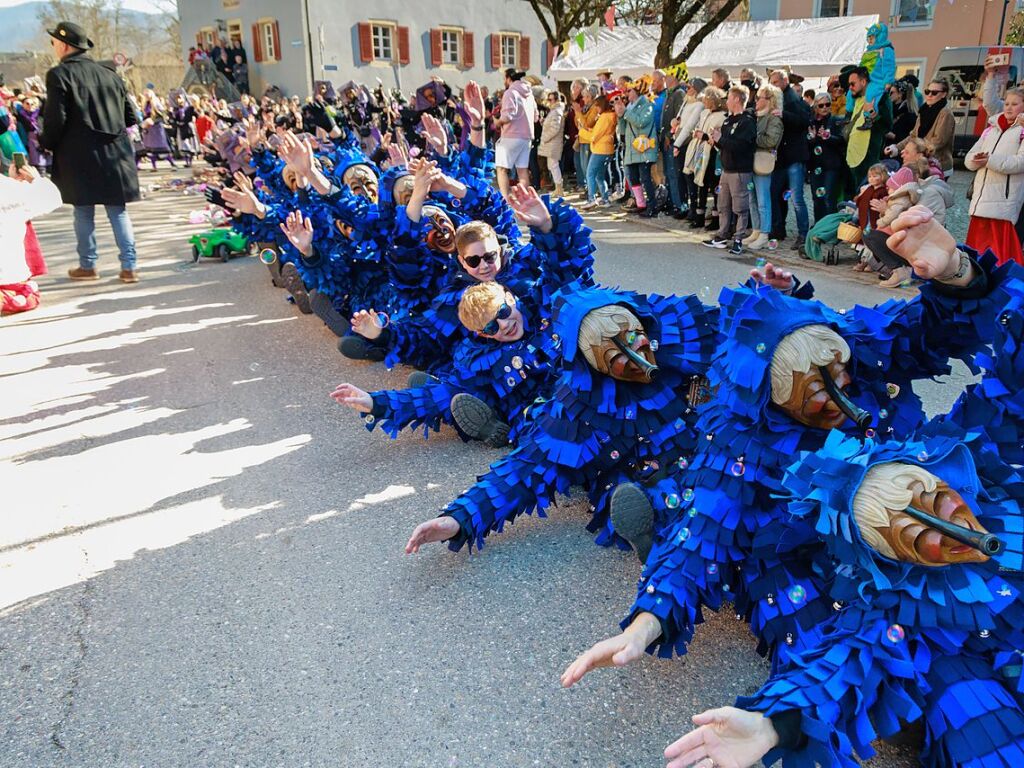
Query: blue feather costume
<point x="552" y="260"/>
<point x="508" y="376"/>
<point x="595" y="431"/>
<point x="722" y="541"/>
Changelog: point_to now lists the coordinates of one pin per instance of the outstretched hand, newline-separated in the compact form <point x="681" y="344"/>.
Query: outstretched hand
<point x="924" y="243"/>
<point x="352" y="397"/>
<point x="474" y="101"/>
<point x="780" y="279"/>
<point x="725" y="738"/>
<point x="297" y="153"/>
<point x="435" y="134"/>
<point x="529" y="208"/>
<point x="617" y="651"/>
<point x="367" y="324"/>
<point x="438" y="529"/>
<point x="299" y="231"/>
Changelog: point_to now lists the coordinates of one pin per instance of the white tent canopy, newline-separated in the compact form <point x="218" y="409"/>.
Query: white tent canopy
<point x="810" y="47"/>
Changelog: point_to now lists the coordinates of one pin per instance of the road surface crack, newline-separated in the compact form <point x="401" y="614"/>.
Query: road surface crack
<point x="80" y="648"/>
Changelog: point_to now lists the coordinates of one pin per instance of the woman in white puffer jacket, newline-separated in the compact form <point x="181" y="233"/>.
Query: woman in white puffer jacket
<point x="998" y="158"/>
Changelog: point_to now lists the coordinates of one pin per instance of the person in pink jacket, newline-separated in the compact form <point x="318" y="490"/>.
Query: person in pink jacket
<point x="518" y="116"/>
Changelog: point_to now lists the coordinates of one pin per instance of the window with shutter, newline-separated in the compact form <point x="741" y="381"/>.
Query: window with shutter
<point x="257" y="43"/>
<point x="524" y="53"/>
<point x="509" y="50"/>
<point x="403" y="45"/>
<point x="276" y="36"/>
<point x="435" y="47"/>
<point x="496" y="51"/>
<point x="468" y="56"/>
<point x="451" y="47"/>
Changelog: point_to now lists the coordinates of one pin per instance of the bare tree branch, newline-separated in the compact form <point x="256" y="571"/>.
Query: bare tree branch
<point x="709" y="26"/>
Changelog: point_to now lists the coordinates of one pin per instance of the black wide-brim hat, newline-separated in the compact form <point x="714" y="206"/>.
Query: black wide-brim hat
<point x="72" y="34"/>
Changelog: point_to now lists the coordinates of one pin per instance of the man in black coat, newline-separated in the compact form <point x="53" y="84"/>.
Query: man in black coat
<point x="84" y="125"/>
<point x="791" y="162"/>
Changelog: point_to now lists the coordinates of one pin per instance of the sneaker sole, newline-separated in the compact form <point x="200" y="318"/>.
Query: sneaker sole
<point x="84" y="279"/>
<point x="357" y="348"/>
<point x="323" y="308"/>
<point x="478" y="421"/>
<point x="632" y="518"/>
<point x="716" y="247"/>
<point x="294" y="285"/>
<point x="419" y="379"/>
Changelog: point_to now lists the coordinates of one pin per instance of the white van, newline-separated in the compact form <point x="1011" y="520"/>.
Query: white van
<point x="963" y="68"/>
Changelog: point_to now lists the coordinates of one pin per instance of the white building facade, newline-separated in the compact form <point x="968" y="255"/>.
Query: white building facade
<point x="291" y="43"/>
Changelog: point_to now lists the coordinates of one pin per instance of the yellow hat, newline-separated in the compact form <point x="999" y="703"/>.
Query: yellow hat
<point x="678" y="71"/>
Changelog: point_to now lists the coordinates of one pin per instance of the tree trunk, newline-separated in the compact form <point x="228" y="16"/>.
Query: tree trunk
<point x="673" y="18"/>
<point x="710" y="26"/>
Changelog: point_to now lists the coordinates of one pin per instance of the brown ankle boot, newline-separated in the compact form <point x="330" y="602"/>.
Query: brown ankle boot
<point x="129" y="276"/>
<point x="80" y="273"/>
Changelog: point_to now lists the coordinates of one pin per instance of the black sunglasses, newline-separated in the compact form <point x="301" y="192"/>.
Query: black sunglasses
<point x="474" y="261"/>
<point x="929" y="92"/>
<point x="504" y="313"/>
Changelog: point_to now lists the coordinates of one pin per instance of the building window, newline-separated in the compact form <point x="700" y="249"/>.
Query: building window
<point x="828" y="9"/>
<point x="909" y="13"/>
<point x="914" y="67"/>
<point x="451" y="47"/>
<point x="509" y="50"/>
<point x="235" y="31"/>
<point x="268" y="42"/>
<point x="383" y="41"/>
<point x="208" y="36"/>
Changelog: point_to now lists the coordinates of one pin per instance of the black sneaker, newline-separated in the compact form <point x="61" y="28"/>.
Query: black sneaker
<point x="419" y="379"/>
<point x="476" y="419"/>
<point x="736" y="249"/>
<point x="717" y="242"/>
<point x="294" y="285"/>
<point x="633" y="518"/>
<point x="323" y="308"/>
<point x="358" y="348"/>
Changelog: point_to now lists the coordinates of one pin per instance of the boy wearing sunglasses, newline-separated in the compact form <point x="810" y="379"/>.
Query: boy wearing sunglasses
<point x="559" y="252"/>
<point x="506" y="362"/>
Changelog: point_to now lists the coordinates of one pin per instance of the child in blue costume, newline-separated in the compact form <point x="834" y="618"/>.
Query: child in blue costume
<point x="508" y="361"/>
<point x="616" y="412"/>
<point x="880" y="61"/>
<point x="558" y="253"/>
<point x="721" y="542"/>
<point x="929" y="620"/>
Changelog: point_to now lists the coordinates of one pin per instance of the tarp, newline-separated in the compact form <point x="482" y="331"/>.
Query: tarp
<point x="810" y="47"/>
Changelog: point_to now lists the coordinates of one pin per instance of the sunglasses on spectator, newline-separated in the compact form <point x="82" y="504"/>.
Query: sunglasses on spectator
<point x="823" y="105"/>
<point x="474" y="261"/>
<point x="504" y="313"/>
<point x="929" y="92"/>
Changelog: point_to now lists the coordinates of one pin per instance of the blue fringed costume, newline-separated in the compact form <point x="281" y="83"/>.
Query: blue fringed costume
<point x="722" y="540"/>
<point x="596" y="431"/>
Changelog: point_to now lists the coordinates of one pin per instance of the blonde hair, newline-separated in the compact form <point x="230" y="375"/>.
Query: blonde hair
<point x="603" y="323"/>
<point x="773" y="94"/>
<point x="479" y="304"/>
<point x="886" y="487"/>
<point x="716" y="95"/>
<point x="740" y="90"/>
<point x="919" y="145"/>
<point x="473" y="232"/>
<point x="799" y="351"/>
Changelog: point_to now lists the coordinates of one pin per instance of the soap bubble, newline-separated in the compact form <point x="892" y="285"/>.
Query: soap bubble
<point x="895" y="634"/>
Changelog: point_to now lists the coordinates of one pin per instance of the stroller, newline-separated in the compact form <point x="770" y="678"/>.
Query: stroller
<point x="823" y="243"/>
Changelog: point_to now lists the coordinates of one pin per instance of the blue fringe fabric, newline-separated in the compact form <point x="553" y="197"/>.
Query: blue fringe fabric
<point x="509" y="377"/>
<point x="426" y="340"/>
<point x="730" y="501"/>
<point x="961" y="627"/>
<point x="595" y="431"/>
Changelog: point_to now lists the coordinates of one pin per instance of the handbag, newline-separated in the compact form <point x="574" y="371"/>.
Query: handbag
<point x="764" y="162"/>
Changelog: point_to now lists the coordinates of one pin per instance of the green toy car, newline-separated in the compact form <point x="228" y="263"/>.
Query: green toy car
<point x="218" y="244"/>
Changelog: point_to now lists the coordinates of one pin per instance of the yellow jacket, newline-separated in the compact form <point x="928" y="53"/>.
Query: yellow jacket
<point x="586" y="120"/>
<point x="601" y="137"/>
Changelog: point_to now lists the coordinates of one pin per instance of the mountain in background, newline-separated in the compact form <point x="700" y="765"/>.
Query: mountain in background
<point x="23" y="31"/>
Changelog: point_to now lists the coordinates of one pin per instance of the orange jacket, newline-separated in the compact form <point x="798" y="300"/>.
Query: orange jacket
<point x="602" y="136"/>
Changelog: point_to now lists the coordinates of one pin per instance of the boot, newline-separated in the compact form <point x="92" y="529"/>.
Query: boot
<point x="294" y="285"/>
<point x="323" y="308"/>
<point x="358" y="348"/>
<point x="898" y="277"/>
<point x="754" y="235"/>
<point x="419" y="379"/>
<point x="758" y="243"/>
<point x="559" y="192"/>
<point x="632" y="518"/>
<point x="476" y="419"/>
<point x="638" y="196"/>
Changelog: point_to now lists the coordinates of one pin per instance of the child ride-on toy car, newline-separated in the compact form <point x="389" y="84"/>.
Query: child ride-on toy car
<point x="218" y="244"/>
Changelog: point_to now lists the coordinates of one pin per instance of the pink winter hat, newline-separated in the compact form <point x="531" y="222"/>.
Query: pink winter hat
<point x="898" y="179"/>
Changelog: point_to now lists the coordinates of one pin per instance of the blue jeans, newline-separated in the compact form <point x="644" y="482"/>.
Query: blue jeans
<point x="597" y="177"/>
<point x="85" y="234"/>
<point x="789" y="177"/>
<point x="761" y="211"/>
<point x="668" y="165"/>
<point x="823" y="187"/>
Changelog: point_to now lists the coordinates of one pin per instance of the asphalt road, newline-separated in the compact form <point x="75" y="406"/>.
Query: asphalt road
<point x="201" y="554"/>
